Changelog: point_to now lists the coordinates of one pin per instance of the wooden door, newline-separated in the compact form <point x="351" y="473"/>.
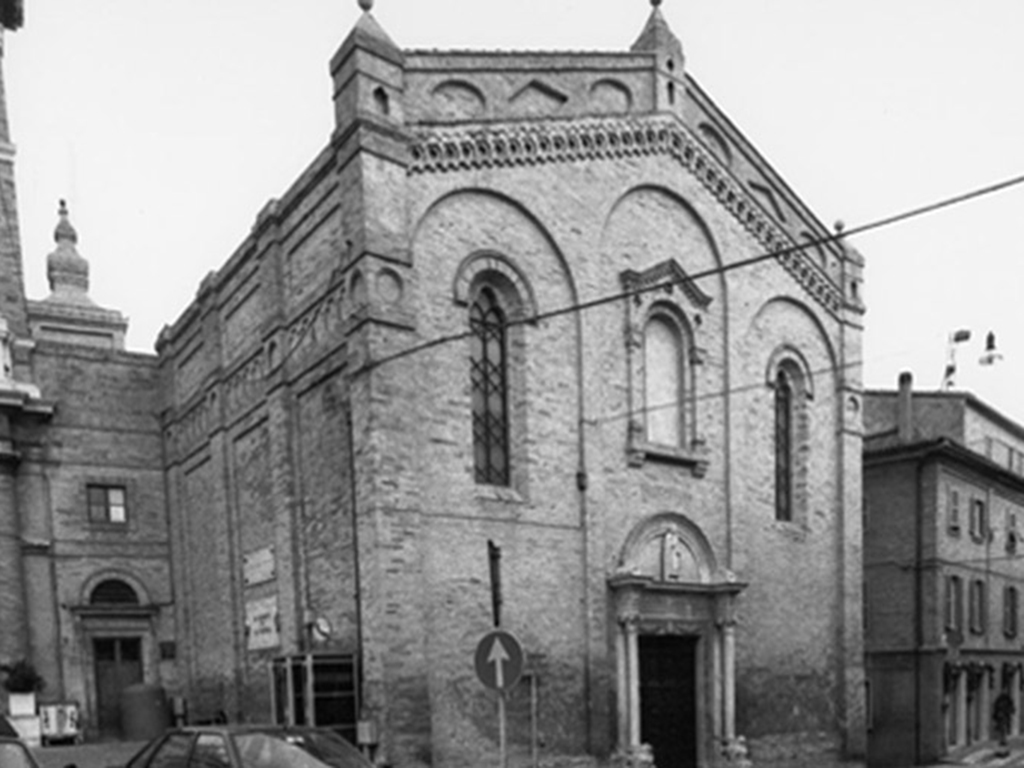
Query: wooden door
<point x="668" y="699"/>
<point x="118" y="665"/>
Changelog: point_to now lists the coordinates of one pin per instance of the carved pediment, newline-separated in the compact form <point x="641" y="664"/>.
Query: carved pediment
<point x="669" y="275"/>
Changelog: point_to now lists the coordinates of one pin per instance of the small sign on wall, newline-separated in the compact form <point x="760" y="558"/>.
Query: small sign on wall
<point x="258" y="566"/>
<point x="261" y="624"/>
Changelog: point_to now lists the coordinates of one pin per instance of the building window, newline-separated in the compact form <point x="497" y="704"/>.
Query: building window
<point x="784" y="442"/>
<point x="953" y="512"/>
<point x="954" y="603"/>
<point x="113" y="592"/>
<point x="489" y="383"/>
<point x="664" y="353"/>
<point x="1010" y="602"/>
<point x="316" y="689"/>
<point x="789" y="380"/>
<point x="978" y="607"/>
<point x="979" y="522"/>
<point x="107" y="504"/>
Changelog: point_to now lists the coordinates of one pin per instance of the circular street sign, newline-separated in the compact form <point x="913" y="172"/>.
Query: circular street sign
<point x="498" y="660"/>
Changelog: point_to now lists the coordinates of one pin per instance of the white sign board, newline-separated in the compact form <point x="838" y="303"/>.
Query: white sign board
<point x="258" y="566"/>
<point x="261" y="623"/>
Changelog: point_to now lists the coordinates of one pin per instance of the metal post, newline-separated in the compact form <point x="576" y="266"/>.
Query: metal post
<point x="534" y="746"/>
<point x="494" y="561"/>
<point x="502" y="735"/>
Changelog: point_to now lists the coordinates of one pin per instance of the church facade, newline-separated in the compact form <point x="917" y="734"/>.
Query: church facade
<point x="548" y="306"/>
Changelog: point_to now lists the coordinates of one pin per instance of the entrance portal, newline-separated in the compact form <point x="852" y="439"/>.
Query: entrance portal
<point x="118" y="665"/>
<point x="675" y="644"/>
<point x="668" y="698"/>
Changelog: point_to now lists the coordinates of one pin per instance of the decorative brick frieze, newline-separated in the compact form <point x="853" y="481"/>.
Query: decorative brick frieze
<point x="322" y="321"/>
<point x="518" y="144"/>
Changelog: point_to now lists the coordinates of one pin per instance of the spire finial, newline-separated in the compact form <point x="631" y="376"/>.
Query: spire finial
<point x="64" y="230"/>
<point x="655" y="3"/>
<point x="366" y="5"/>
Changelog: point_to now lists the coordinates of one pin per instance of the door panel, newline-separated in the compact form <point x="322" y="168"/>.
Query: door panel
<point x="668" y="699"/>
<point x="118" y="665"/>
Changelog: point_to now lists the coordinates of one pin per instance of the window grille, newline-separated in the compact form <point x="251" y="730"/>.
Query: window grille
<point x="113" y="592"/>
<point x="783" y="446"/>
<point x="489" y="384"/>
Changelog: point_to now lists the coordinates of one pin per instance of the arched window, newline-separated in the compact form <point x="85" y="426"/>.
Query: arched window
<point x="489" y="384"/>
<point x="792" y="389"/>
<point x="663" y="381"/>
<point x="113" y="592"/>
<point x="784" y="443"/>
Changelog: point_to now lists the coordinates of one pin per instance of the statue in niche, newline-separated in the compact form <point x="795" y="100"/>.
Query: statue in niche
<point x="676" y="559"/>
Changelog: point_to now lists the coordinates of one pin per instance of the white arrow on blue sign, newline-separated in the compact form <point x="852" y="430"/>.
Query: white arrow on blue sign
<point x="499" y="660"/>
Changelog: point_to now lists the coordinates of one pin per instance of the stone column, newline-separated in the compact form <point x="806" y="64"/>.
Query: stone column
<point x="985" y="701"/>
<point x="14" y="637"/>
<point x="622" y="684"/>
<point x="717" y="687"/>
<point x="961" y="708"/>
<point x="729" y="678"/>
<point x="1015" y="695"/>
<point x="633" y="673"/>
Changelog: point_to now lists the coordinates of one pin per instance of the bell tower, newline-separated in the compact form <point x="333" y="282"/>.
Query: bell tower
<point x="12" y="286"/>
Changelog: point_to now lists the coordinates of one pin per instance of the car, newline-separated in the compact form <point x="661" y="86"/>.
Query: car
<point x="248" y="746"/>
<point x="14" y="754"/>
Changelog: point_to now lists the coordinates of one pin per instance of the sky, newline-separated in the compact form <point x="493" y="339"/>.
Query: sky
<point x="168" y="124"/>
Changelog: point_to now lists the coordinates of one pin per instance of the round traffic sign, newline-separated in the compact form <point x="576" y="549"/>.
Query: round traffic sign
<point x="498" y="660"/>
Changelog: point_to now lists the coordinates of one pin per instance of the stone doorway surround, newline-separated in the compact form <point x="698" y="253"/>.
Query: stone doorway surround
<point x="667" y="581"/>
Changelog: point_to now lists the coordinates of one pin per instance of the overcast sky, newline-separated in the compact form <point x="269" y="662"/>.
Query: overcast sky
<point x="167" y="124"/>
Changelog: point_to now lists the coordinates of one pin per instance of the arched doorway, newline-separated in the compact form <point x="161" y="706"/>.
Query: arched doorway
<point x="116" y="626"/>
<point x="675" y="645"/>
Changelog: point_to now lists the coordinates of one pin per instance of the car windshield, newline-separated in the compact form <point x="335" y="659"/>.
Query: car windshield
<point x="295" y="750"/>
<point x="14" y="755"/>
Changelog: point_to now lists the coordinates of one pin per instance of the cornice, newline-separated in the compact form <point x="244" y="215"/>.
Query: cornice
<point x="451" y="150"/>
<point x="667" y="272"/>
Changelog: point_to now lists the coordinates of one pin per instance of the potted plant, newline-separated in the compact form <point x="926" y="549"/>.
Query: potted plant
<point x="22" y="682"/>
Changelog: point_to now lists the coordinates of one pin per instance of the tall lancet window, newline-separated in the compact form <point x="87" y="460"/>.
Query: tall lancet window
<point x="784" y="445"/>
<point x="489" y="383"/>
<point x="663" y="382"/>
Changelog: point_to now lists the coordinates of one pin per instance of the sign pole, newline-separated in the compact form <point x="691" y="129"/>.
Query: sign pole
<point x="502" y="735"/>
<point x="494" y="564"/>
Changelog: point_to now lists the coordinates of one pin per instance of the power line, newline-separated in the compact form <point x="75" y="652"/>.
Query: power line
<point x="783" y="251"/>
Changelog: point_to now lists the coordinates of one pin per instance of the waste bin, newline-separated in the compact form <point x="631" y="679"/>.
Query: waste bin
<point x="144" y="712"/>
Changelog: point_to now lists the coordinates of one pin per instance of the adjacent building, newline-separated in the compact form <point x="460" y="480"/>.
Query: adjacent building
<point x="943" y="502"/>
<point x="85" y="575"/>
<point x="550" y="303"/>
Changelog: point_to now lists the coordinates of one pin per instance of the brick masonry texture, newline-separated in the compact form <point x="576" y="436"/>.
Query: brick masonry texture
<point x="361" y="259"/>
<point x="278" y="422"/>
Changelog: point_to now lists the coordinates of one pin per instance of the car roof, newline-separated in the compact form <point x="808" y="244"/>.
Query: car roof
<point x="237" y="727"/>
<point x="7" y="730"/>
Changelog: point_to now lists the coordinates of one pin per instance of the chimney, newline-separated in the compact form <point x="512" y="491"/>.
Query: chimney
<point x="905" y="408"/>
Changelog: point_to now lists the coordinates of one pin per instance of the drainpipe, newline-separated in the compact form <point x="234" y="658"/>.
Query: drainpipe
<point x="905" y="435"/>
<point x="918" y="607"/>
<point x="356" y="581"/>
